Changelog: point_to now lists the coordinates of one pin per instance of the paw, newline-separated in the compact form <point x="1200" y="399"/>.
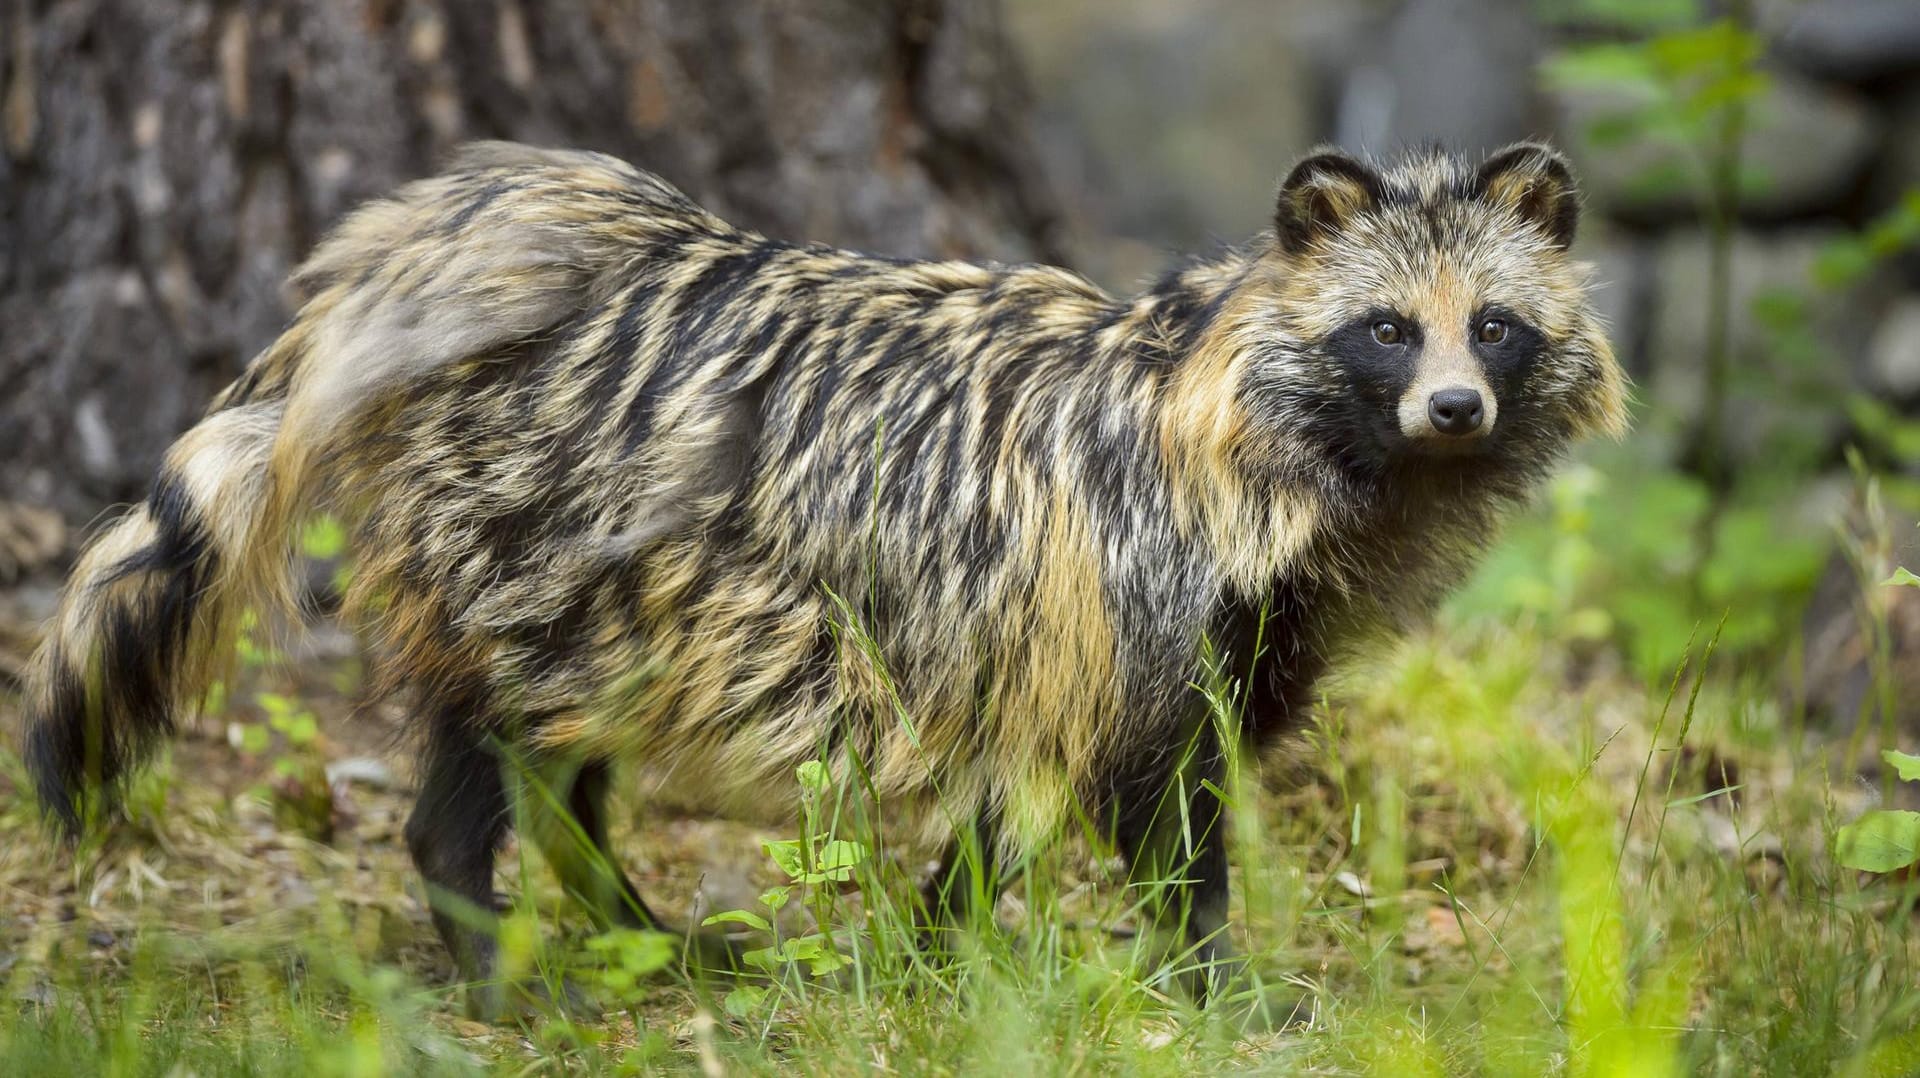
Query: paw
<point x="505" y="1004"/>
<point x="1253" y="1006"/>
<point x="704" y="952"/>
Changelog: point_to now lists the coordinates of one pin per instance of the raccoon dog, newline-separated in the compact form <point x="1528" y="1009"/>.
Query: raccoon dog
<point x="625" y="482"/>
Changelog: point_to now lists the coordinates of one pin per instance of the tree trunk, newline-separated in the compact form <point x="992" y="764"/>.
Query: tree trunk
<point x="165" y="163"/>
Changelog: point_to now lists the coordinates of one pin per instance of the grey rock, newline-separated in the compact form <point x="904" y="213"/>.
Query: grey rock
<point x="1457" y="72"/>
<point x="1849" y="39"/>
<point x="1765" y="267"/>
<point x="1838" y="669"/>
<point x="1899" y="171"/>
<point x="1171" y="123"/>
<point x="1893" y="356"/>
<point x="364" y="770"/>
<point x="1805" y="145"/>
<point x="1623" y="292"/>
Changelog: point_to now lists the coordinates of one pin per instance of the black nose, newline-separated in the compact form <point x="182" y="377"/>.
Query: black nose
<point x="1456" y="411"/>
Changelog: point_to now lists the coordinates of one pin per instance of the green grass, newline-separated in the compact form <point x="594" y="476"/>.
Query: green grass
<point x="1488" y="855"/>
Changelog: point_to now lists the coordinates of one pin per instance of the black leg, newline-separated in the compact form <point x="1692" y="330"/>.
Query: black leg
<point x="1176" y="848"/>
<point x="454" y="833"/>
<point x="574" y="842"/>
<point x="1175" y="844"/>
<point x="565" y="815"/>
<point x="963" y="890"/>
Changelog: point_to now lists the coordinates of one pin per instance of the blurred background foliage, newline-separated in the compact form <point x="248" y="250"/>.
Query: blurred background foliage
<point x="1752" y="179"/>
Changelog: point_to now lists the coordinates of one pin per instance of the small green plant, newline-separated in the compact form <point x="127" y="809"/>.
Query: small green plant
<point x="816" y="865"/>
<point x="324" y="538"/>
<point x="298" y="790"/>
<point x="1612" y="558"/>
<point x="628" y="958"/>
<point x="253" y="653"/>
<point x="1885" y="840"/>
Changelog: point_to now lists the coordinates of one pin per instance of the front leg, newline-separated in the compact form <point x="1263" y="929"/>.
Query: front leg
<point x="960" y="895"/>
<point x="1173" y="835"/>
<point x="1174" y="843"/>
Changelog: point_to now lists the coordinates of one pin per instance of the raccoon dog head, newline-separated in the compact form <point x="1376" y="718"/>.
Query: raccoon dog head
<point x="1429" y="312"/>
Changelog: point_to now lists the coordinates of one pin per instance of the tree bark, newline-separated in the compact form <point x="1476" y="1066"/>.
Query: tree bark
<point x="165" y="163"/>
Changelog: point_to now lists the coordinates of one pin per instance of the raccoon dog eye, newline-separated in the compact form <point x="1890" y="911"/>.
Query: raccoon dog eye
<point x="1493" y="331"/>
<point x="1387" y="333"/>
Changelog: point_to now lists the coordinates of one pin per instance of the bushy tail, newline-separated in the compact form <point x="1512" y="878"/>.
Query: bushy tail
<point x="147" y="613"/>
<point x="506" y="244"/>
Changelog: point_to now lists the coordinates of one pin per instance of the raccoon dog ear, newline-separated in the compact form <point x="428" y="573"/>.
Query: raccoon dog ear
<point x="1535" y="182"/>
<point x="1320" y="196"/>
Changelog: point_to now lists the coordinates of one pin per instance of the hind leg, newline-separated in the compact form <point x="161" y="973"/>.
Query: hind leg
<point x="567" y="818"/>
<point x="454" y="834"/>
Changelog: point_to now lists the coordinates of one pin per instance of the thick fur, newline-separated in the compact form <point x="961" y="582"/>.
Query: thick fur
<point x="631" y="483"/>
